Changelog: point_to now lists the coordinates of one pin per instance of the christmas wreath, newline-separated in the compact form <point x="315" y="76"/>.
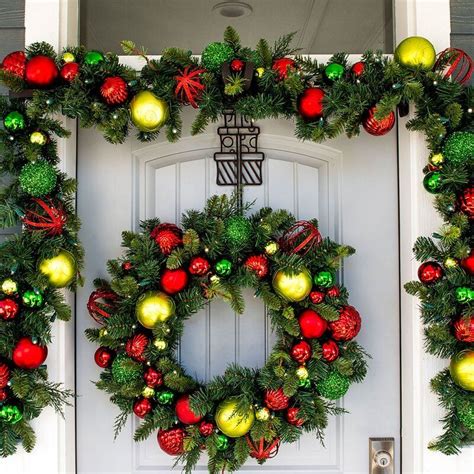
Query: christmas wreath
<point x="169" y="273"/>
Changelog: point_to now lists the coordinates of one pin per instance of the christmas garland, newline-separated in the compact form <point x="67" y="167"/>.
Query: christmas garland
<point x="168" y="273"/>
<point x="325" y="100"/>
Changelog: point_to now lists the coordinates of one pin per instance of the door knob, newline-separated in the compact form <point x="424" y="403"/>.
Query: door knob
<point x="381" y="452"/>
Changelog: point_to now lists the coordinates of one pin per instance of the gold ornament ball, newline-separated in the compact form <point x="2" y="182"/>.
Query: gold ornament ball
<point x="259" y="71"/>
<point x="450" y="262"/>
<point x="462" y="369"/>
<point x="436" y="159"/>
<point x="414" y="52"/>
<point x="302" y="372"/>
<point x="38" y="138"/>
<point x="68" y="57"/>
<point x="160" y="344"/>
<point x="149" y="113"/>
<point x="293" y="287"/>
<point x="262" y="414"/>
<point x="148" y="392"/>
<point x="271" y="248"/>
<point x="60" y="269"/>
<point x="9" y="286"/>
<point x="154" y="307"/>
<point x="230" y="422"/>
<point x="103" y="332"/>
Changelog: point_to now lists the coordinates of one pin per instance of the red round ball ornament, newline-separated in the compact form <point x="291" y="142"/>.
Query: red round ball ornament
<point x="282" y="66"/>
<point x="292" y="417"/>
<point x="468" y="263"/>
<point x="310" y="103"/>
<point x="167" y="237"/>
<point x="184" y="411"/>
<point x="466" y="202"/>
<point x="199" y="266"/>
<point x="358" y="68"/>
<point x="153" y="378"/>
<point x="454" y="64"/>
<point x="464" y="329"/>
<point x="430" y="272"/>
<point x="330" y="350"/>
<point x="316" y="297"/>
<point x="136" y="345"/>
<point x="8" y="309"/>
<point x="206" y="428"/>
<point x="237" y="65"/>
<point x="378" y="127"/>
<point x="301" y="352"/>
<point x="173" y="281"/>
<point x="69" y="72"/>
<point x="276" y="400"/>
<point x="257" y="264"/>
<point x="333" y="292"/>
<point x="14" y="63"/>
<point x="142" y="407"/>
<point x="347" y="326"/>
<point x="41" y="71"/>
<point x="312" y="325"/>
<point x="114" y="90"/>
<point x="103" y="357"/>
<point x="171" y="441"/>
<point x="4" y="375"/>
<point x="3" y="395"/>
<point x="28" y="355"/>
<point x="127" y="266"/>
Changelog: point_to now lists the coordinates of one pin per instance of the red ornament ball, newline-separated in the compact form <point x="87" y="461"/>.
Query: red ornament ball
<point x="114" y="90"/>
<point x="184" y="412"/>
<point x="282" y="66"/>
<point x="174" y="281"/>
<point x="15" y="63"/>
<point x="310" y="103"/>
<point x="276" y="400"/>
<point x="199" y="266"/>
<point x="312" y="325"/>
<point x="136" y="345"/>
<point x="468" y="263"/>
<point x="41" y="71"/>
<point x="69" y="72"/>
<point x="3" y="395"/>
<point x="142" y="407"/>
<point x="171" y="441"/>
<point x="4" y="375"/>
<point x="464" y="329"/>
<point x="430" y="272"/>
<point x="167" y="237"/>
<point x="237" y="65"/>
<point x="292" y="417"/>
<point x="206" y="428"/>
<point x="378" y="127"/>
<point x="316" y="297"/>
<point x="466" y="202"/>
<point x="330" y="350"/>
<point x="8" y="309"/>
<point x="28" y="355"/>
<point x="301" y="352"/>
<point x="333" y="292"/>
<point x="358" y="68"/>
<point x="300" y="238"/>
<point x="153" y="378"/>
<point x="127" y="266"/>
<point x="257" y="264"/>
<point x="103" y="357"/>
<point x="347" y="326"/>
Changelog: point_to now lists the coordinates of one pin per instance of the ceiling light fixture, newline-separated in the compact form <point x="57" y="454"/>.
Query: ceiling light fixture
<point x="232" y="9"/>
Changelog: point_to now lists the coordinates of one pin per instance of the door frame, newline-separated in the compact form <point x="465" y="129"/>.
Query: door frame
<point x="57" y="21"/>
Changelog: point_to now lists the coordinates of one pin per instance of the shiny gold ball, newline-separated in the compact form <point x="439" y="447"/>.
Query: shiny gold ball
<point x="436" y="159"/>
<point x="9" y="286"/>
<point x="103" y="332"/>
<point x="68" y="57"/>
<point x="462" y="369"/>
<point x="149" y="113"/>
<point x="271" y="248"/>
<point x="230" y="422"/>
<point x="259" y="71"/>
<point x="160" y="344"/>
<point x="38" y="138"/>
<point x="215" y="279"/>
<point x="292" y="287"/>
<point x="262" y="414"/>
<point x="414" y="52"/>
<point x="148" y="392"/>
<point x="154" y="307"/>
<point x="302" y="372"/>
<point x="60" y="269"/>
<point x="450" y="262"/>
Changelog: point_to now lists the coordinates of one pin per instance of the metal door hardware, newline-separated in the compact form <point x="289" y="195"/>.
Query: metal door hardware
<point x="381" y="456"/>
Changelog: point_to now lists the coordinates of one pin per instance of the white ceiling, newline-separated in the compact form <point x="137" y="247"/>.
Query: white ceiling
<point x="322" y="26"/>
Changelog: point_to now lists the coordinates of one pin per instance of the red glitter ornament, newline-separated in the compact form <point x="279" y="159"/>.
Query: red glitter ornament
<point x="103" y="357"/>
<point x="312" y="325"/>
<point x="167" y="237"/>
<point x="468" y="263"/>
<point x="330" y="350"/>
<point x="184" y="412"/>
<point x="28" y="355"/>
<point x="45" y="215"/>
<point x="464" y="329"/>
<point x="466" y="202"/>
<point x="173" y="281"/>
<point x="316" y="296"/>
<point x="4" y="375"/>
<point x="237" y="65"/>
<point x="301" y="352"/>
<point x="114" y="90"/>
<point x="206" y="428"/>
<point x="291" y="416"/>
<point x="310" y="103"/>
<point x="69" y="72"/>
<point x="142" y="407"/>
<point x="100" y="302"/>
<point x="199" y="266"/>
<point x="262" y="450"/>
<point x="276" y="399"/>
<point x="347" y="326"/>
<point x="333" y="292"/>
<point x="189" y="86"/>
<point x="3" y="395"/>
<point x="455" y="64"/>
<point x="14" y="63"/>
<point x="282" y="66"/>
<point x="257" y="264"/>
<point x="41" y="71"/>
<point x="358" y="68"/>
<point x="430" y="272"/>
<point x="300" y="238"/>
<point x="8" y="309"/>
<point x="172" y="441"/>
<point x="135" y="347"/>
<point x="378" y="127"/>
<point x="153" y="378"/>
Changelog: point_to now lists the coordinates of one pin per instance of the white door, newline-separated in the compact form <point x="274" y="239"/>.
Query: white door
<point x="349" y="185"/>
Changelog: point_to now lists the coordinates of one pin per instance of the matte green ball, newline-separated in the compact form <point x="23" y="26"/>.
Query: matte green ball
<point x="334" y="71"/>
<point x="216" y="54"/>
<point x="464" y="294"/>
<point x="32" y="299"/>
<point x="93" y="58"/>
<point x="432" y="182"/>
<point x="165" y="397"/>
<point x="38" y="178"/>
<point x="324" y="279"/>
<point x="459" y="147"/>
<point x="238" y="231"/>
<point x="334" y="386"/>
<point x="466" y="414"/>
<point x="126" y="370"/>
<point x="14" y="121"/>
<point x="224" y="267"/>
<point x="222" y="442"/>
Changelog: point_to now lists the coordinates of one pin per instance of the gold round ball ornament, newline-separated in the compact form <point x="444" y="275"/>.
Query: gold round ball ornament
<point x="450" y="262"/>
<point x="68" y="57"/>
<point x="160" y="344"/>
<point x="38" y="138"/>
<point x="60" y="269"/>
<point x="271" y="248"/>
<point x="462" y="369"/>
<point x="416" y="52"/>
<point x="148" y="112"/>
<point x="154" y="307"/>
<point x="292" y="287"/>
<point x="436" y="159"/>
<point x="262" y="414"/>
<point x="9" y="286"/>
<point x="302" y="372"/>
<point x="230" y="422"/>
<point x="148" y="392"/>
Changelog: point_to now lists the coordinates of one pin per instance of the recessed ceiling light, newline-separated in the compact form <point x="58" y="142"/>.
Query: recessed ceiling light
<point x="233" y="9"/>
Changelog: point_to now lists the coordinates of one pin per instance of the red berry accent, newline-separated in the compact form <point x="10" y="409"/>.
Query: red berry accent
<point x="466" y="202"/>
<point x="199" y="266"/>
<point x="276" y="399"/>
<point x="153" y="378"/>
<point x="28" y="355"/>
<point x="430" y="272"/>
<point x="257" y="264"/>
<point x="114" y="90"/>
<point x="135" y="347"/>
<point x="282" y="66"/>
<point x="41" y="71"/>
<point x="301" y="352"/>
<point x="312" y="325"/>
<point x="3" y="395"/>
<point x="171" y="441"/>
<point x="14" y="63"/>
<point x="103" y="357"/>
<point x="330" y="350"/>
<point x="347" y="326"/>
<point x="468" y="263"/>
<point x="69" y="72"/>
<point x="292" y="417"/>
<point x="127" y="266"/>
<point x="464" y="329"/>
<point x="206" y="428"/>
<point x="8" y="309"/>
<point x="167" y="237"/>
<point x="358" y="68"/>
<point x="4" y="375"/>
<point x="237" y="65"/>
<point x="142" y="407"/>
<point x="333" y="292"/>
<point x="316" y="297"/>
<point x="174" y="281"/>
<point x="184" y="412"/>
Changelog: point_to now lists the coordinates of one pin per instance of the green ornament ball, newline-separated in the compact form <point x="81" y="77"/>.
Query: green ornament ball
<point x="334" y="386"/>
<point x="38" y="178"/>
<point x="464" y="294"/>
<point x="466" y="414"/>
<point x="304" y="383"/>
<point x="459" y="147"/>
<point x="432" y="182"/>
<point x="32" y="299"/>
<point x="216" y="54"/>
<point x="126" y="370"/>
<point x="165" y="397"/>
<point x="224" y="267"/>
<point x="92" y="58"/>
<point x="14" y="121"/>
<point x="334" y="71"/>
<point x="10" y="414"/>
<point x="238" y="231"/>
<point x="222" y="442"/>
<point x="324" y="279"/>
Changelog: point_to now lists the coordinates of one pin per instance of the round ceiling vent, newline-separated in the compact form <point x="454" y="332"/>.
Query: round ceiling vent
<point x="232" y="9"/>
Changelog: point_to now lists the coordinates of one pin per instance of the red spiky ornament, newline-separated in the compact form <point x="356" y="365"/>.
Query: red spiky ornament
<point x="257" y="264"/>
<point x="276" y="399"/>
<point x="114" y="90"/>
<point x="262" y="450"/>
<point x="189" y="86"/>
<point x="172" y="441"/>
<point x="167" y="237"/>
<point x="136" y="345"/>
<point x="45" y="215"/>
<point x="463" y="329"/>
<point x="4" y="375"/>
<point x="347" y="326"/>
<point x="14" y="63"/>
<point x="292" y="417"/>
<point x="466" y="202"/>
<point x="100" y="302"/>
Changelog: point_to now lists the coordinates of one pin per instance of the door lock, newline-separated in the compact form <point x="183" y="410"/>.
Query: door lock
<point x="381" y="452"/>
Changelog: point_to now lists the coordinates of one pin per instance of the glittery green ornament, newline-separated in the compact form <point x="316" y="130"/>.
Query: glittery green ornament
<point x="334" y="71"/>
<point x="92" y="58"/>
<point x="459" y="147"/>
<point x="224" y="267"/>
<point x="216" y="54"/>
<point x="238" y="232"/>
<point x="464" y="294"/>
<point x="466" y="414"/>
<point x="165" y="397"/>
<point x="14" y="121"/>
<point x="126" y="370"/>
<point x="38" y="178"/>
<point x="9" y="286"/>
<point x="10" y="414"/>
<point x="334" y="386"/>
<point x="432" y="182"/>
<point x="32" y="298"/>
<point x="222" y="442"/>
<point x="324" y="279"/>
